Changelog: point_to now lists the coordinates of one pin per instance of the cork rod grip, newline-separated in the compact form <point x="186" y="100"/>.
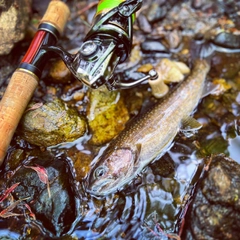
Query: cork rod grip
<point x="13" y="104"/>
<point x="23" y="83"/>
<point x="57" y="14"/>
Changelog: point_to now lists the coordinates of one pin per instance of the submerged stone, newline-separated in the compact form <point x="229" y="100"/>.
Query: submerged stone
<point x="51" y="124"/>
<point x="107" y="115"/>
<point x="156" y="12"/>
<point x="54" y="203"/>
<point x="59" y="72"/>
<point x="215" y="209"/>
<point x="150" y="46"/>
<point x="164" y="166"/>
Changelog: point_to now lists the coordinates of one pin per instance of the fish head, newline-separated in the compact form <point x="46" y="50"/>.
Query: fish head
<point x="113" y="170"/>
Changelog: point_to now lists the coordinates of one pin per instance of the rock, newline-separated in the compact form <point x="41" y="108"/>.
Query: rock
<point x="173" y="39"/>
<point x="164" y="166"/>
<point x="14" y="17"/>
<point x="153" y="46"/>
<point x="172" y="71"/>
<point x="228" y="40"/>
<point x="107" y="115"/>
<point x="51" y="124"/>
<point x="214" y="212"/>
<point x="182" y="16"/>
<point x="156" y="12"/>
<point x="143" y="24"/>
<point x="5" y="70"/>
<point x="55" y="204"/>
<point x="59" y="73"/>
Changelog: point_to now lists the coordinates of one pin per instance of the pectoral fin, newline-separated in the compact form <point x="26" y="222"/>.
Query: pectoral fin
<point x="210" y="88"/>
<point x="189" y="126"/>
<point x="137" y="153"/>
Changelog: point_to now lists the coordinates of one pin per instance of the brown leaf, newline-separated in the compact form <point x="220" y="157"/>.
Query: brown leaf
<point x="34" y="106"/>
<point x="10" y="214"/>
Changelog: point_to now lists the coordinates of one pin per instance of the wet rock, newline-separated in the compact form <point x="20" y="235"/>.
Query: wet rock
<point x="173" y="39"/>
<point x="197" y="3"/>
<point x="227" y="40"/>
<point x="55" y="203"/>
<point x="172" y="71"/>
<point x="215" y="209"/>
<point x="156" y="12"/>
<point x="107" y="115"/>
<point x="153" y="46"/>
<point x="164" y="166"/>
<point x="182" y="16"/>
<point x="216" y="145"/>
<point x="14" y="17"/>
<point x="168" y="71"/>
<point x="81" y="162"/>
<point x="59" y="73"/>
<point x="132" y="75"/>
<point x="144" y="24"/>
<point x="5" y="70"/>
<point x="207" y="6"/>
<point x="51" y="123"/>
<point x="135" y="101"/>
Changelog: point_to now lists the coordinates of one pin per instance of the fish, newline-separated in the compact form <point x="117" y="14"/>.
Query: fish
<point x="149" y="136"/>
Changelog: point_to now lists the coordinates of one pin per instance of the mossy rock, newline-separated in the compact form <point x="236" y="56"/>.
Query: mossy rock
<point x="51" y="124"/>
<point x="107" y="115"/>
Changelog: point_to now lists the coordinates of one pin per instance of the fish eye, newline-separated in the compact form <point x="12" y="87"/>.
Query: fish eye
<point x="100" y="171"/>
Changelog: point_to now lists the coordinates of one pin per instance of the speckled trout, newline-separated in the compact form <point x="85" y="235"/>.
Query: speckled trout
<point x="149" y="136"/>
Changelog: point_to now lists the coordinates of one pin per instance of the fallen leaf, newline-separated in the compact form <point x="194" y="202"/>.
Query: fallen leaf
<point x="42" y="174"/>
<point x="8" y="191"/>
<point x="31" y="214"/>
<point x="34" y="106"/>
<point x="10" y="214"/>
<point x="5" y="213"/>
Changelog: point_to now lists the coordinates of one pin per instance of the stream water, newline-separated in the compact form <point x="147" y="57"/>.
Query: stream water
<point x="154" y="204"/>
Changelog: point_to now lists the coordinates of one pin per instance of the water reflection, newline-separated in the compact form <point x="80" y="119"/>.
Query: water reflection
<point x="234" y="148"/>
<point x="7" y="234"/>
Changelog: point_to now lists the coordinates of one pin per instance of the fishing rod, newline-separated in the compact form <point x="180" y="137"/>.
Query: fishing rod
<point x="107" y="44"/>
<point x="26" y="77"/>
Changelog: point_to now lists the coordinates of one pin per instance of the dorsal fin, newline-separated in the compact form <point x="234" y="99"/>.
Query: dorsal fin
<point x="189" y="125"/>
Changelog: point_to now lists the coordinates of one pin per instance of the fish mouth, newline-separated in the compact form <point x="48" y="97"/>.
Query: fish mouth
<point x="100" y="188"/>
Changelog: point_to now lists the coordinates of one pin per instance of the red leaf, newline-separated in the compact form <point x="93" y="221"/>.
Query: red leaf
<point x="7" y="211"/>
<point x="31" y="214"/>
<point x="8" y="191"/>
<point x="42" y="174"/>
